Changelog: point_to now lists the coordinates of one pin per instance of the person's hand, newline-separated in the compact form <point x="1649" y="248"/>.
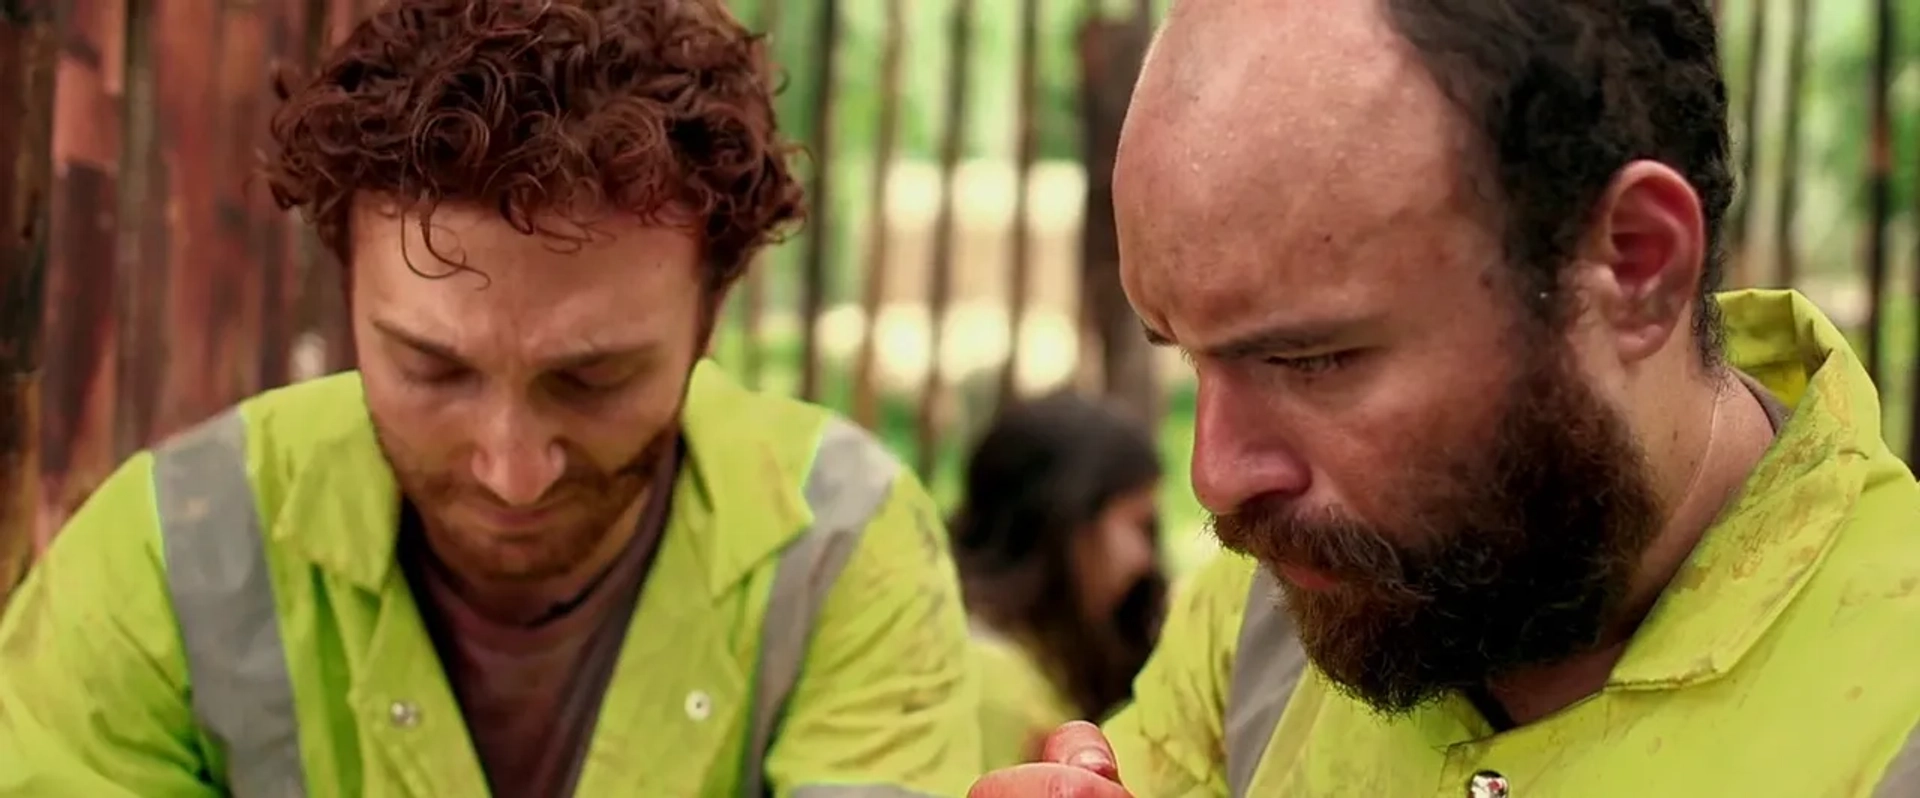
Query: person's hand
<point x="1076" y="762"/>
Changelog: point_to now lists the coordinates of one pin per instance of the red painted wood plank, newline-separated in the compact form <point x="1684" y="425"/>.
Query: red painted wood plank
<point x="78" y="393"/>
<point x="187" y="134"/>
<point x="234" y="337"/>
<point x="141" y="265"/>
<point x="293" y="28"/>
<point x="28" y="53"/>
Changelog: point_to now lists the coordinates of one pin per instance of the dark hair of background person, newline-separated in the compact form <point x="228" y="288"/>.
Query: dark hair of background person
<point x="1041" y="475"/>
<point x="1563" y="94"/>
<point x="546" y="110"/>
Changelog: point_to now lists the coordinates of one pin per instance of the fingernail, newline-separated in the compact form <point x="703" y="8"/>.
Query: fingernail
<point x="1091" y="760"/>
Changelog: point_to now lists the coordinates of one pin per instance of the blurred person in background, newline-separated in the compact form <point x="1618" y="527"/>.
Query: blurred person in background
<point x="1058" y="546"/>
<point x="1518" y="503"/>
<point x="534" y="546"/>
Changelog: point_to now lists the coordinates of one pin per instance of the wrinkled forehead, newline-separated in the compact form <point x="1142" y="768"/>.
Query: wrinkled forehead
<point x="1359" y="226"/>
<point x="524" y="294"/>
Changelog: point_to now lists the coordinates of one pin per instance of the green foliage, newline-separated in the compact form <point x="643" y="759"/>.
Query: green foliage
<point x="1835" y="106"/>
<point x="993" y="65"/>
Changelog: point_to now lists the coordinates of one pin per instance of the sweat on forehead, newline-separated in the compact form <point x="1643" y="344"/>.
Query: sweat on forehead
<point x="1269" y="101"/>
<point x="1273" y="126"/>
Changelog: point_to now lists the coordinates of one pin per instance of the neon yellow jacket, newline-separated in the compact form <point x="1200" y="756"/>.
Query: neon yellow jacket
<point x="1783" y="660"/>
<point x="328" y="685"/>
<point x="1019" y="704"/>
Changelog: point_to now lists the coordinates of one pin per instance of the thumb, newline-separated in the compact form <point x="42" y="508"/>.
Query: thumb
<point x="1045" y="780"/>
<point x="1080" y="744"/>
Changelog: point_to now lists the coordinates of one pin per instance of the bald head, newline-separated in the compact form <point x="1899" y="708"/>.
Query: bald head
<point x="1255" y="127"/>
<point x="1230" y="85"/>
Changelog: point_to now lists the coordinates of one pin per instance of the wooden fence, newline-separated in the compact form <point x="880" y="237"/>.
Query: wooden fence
<point x="126" y="220"/>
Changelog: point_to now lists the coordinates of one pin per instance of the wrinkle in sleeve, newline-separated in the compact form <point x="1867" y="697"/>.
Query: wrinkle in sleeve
<point x="1169" y="740"/>
<point x="93" y="697"/>
<point x="889" y="694"/>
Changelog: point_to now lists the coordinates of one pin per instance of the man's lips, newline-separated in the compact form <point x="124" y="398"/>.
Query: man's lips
<point x="515" y="520"/>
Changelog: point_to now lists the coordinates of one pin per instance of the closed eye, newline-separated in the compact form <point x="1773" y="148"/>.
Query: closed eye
<point x="433" y="371"/>
<point x="1314" y="364"/>
<point x="438" y="377"/>
<point x="592" y="383"/>
<point x="599" y="377"/>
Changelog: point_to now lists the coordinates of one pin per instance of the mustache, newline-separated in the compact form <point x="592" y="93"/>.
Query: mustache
<point x="1473" y="553"/>
<point x="581" y="480"/>
<point x="1323" y="541"/>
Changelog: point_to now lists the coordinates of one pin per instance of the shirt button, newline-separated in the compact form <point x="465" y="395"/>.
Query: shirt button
<point x="1487" y="784"/>
<point x="699" y="705"/>
<point x="404" y="714"/>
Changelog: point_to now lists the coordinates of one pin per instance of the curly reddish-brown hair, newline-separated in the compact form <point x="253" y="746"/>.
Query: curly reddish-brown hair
<point x="544" y="109"/>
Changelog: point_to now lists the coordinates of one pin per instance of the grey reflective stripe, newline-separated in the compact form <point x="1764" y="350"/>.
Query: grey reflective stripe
<point x="1901" y="779"/>
<point x="222" y="593"/>
<point x="849" y="481"/>
<point x="1266" y="666"/>
<point x="856" y="791"/>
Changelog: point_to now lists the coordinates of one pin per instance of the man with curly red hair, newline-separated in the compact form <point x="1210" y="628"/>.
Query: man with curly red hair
<point x="534" y="546"/>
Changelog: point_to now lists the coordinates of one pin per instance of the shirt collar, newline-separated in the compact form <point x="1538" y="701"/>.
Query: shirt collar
<point x="1752" y="562"/>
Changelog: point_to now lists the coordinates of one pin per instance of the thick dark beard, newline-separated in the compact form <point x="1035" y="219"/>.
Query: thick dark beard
<point x="1510" y="556"/>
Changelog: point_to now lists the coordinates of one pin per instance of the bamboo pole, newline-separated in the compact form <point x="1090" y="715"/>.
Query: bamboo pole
<point x="1110" y="55"/>
<point x="1879" y="184"/>
<point x="866" y="408"/>
<point x="939" y="296"/>
<point x="753" y="290"/>
<point x="1787" y="203"/>
<point x="813" y="275"/>
<point x="140" y="262"/>
<point x="1020" y="265"/>
<point x="1739" y="237"/>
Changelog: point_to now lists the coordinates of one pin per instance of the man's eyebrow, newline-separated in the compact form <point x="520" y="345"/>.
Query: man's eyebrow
<point x="416" y="341"/>
<point x="589" y="355"/>
<point x="595" y="354"/>
<point x="1277" y="339"/>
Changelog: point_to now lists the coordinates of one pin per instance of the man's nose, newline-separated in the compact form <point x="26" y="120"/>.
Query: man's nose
<point x="518" y="457"/>
<point x="1240" y="451"/>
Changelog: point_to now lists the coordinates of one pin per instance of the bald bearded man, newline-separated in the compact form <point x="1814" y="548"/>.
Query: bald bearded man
<point x="1527" y="508"/>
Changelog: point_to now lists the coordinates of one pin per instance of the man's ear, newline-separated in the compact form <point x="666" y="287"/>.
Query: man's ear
<point x="1641" y="265"/>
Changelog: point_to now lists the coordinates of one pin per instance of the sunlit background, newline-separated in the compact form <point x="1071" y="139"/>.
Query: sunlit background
<point x="957" y="149"/>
